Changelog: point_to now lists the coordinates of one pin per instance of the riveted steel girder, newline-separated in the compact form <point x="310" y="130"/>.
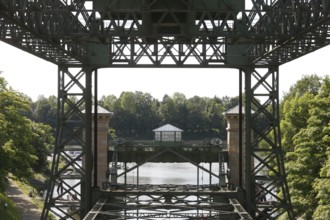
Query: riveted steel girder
<point x="76" y="32"/>
<point x="181" y="207"/>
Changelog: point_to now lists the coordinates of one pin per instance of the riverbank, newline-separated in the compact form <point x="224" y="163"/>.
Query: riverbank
<point x="24" y="203"/>
<point x="8" y="209"/>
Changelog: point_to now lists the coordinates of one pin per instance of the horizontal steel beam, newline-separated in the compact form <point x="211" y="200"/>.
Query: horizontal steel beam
<point x="69" y="32"/>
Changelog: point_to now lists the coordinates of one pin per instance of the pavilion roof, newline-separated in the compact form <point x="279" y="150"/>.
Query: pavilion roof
<point x="167" y="127"/>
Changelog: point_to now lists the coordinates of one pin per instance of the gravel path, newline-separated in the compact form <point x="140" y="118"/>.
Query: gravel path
<point x="23" y="202"/>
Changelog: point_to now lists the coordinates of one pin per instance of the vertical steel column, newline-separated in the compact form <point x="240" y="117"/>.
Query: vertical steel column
<point x="69" y="190"/>
<point x="95" y="130"/>
<point x="125" y="177"/>
<point x="137" y="177"/>
<point x="240" y="130"/>
<point x="210" y="175"/>
<point x="249" y="195"/>
<point x="198" y="176"/>
<point x="87" y="198"/>
<point x="267" y="194"/>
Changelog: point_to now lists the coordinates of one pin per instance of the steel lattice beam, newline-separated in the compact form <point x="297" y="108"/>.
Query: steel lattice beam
<point x="264" y="174"/>
<point x="73" y="134"/>
<point x="271" y="33"/>
<point x="183" y="208"/>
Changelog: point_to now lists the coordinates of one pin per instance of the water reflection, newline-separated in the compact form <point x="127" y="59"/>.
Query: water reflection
<point x="169" y="173"/>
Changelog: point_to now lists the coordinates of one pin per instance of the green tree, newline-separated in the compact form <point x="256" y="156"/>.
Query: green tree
<point x="42" y="142"/>
<point x="135" y="114"/>
<point x="229" y="102"/>
<point x="128" y="102"/>
<point x="180" y="105"/>
<point x="146" y="118"/>
<point x="294" y="118"/>
<point x="308" y="84"/>
<point x="216" y="124"/>
<point x="197" y="117"/>
<point x="44" y="110"/>
<point x="15" y="133"/>
<point x="24" y="144"/>
<point x="322" y="183"/>
<point x="109" y="102"/>
<point x="322" y="187"/>
<point x="167" y="111"/>
<point x="306" y="120"/>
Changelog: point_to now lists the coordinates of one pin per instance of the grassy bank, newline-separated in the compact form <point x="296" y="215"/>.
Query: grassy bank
<point x="31" y="189"/>
<point x="8" y="212"/>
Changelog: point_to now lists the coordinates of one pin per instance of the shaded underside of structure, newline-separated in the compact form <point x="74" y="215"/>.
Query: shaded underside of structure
<point x="176" y="33"/>
<point x="167" y="206"/>
<point x="81" y="36"/>
<point x="168" y="153"/>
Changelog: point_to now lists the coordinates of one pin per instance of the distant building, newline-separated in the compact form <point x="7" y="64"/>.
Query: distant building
<point x="168" y="133"/>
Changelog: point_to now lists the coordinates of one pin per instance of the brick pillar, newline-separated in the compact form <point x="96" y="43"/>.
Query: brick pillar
<point x="103" y="118"/>
<point x="232" y="117"/>
<point x="233" y="147"/>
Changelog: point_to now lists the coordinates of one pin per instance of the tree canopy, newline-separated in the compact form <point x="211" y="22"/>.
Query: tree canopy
<point x="305" y="130"/>
<point x="23" y="143"/>
<point x="137" y="114"/>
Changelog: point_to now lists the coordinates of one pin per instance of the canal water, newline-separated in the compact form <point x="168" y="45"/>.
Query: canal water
<point x="170" y="173"/>
<point x="162" y="173"/>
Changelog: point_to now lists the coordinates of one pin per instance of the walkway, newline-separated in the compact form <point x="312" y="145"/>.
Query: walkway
<point x="23" y="202"/>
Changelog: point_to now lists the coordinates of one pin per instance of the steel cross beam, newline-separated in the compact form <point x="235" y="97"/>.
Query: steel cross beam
<point x="72" y="32"/>
<point x="264" y="163"/>
<point x="31" y="31"/>
<point x="157" y="207"/>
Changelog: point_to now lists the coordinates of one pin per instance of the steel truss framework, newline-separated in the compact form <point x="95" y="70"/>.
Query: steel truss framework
<point x="70" y="32"/>
<point x="255" y="41"/>
<point x="265" y="173"/>
<point x="73" y="134"/>
<point x="261" y="88"/>
<point x="168" y="201"/>
<point x="180" y="207"/>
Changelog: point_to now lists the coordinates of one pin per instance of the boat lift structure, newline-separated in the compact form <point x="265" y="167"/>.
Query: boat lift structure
<point x="81" y="36"/>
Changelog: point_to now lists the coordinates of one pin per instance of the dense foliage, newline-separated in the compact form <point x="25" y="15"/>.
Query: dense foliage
<point x="24" y="144"/>
<point x="137" y="114"/>
<point x="10" y="211"/>
<point x="306" y="130"/>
